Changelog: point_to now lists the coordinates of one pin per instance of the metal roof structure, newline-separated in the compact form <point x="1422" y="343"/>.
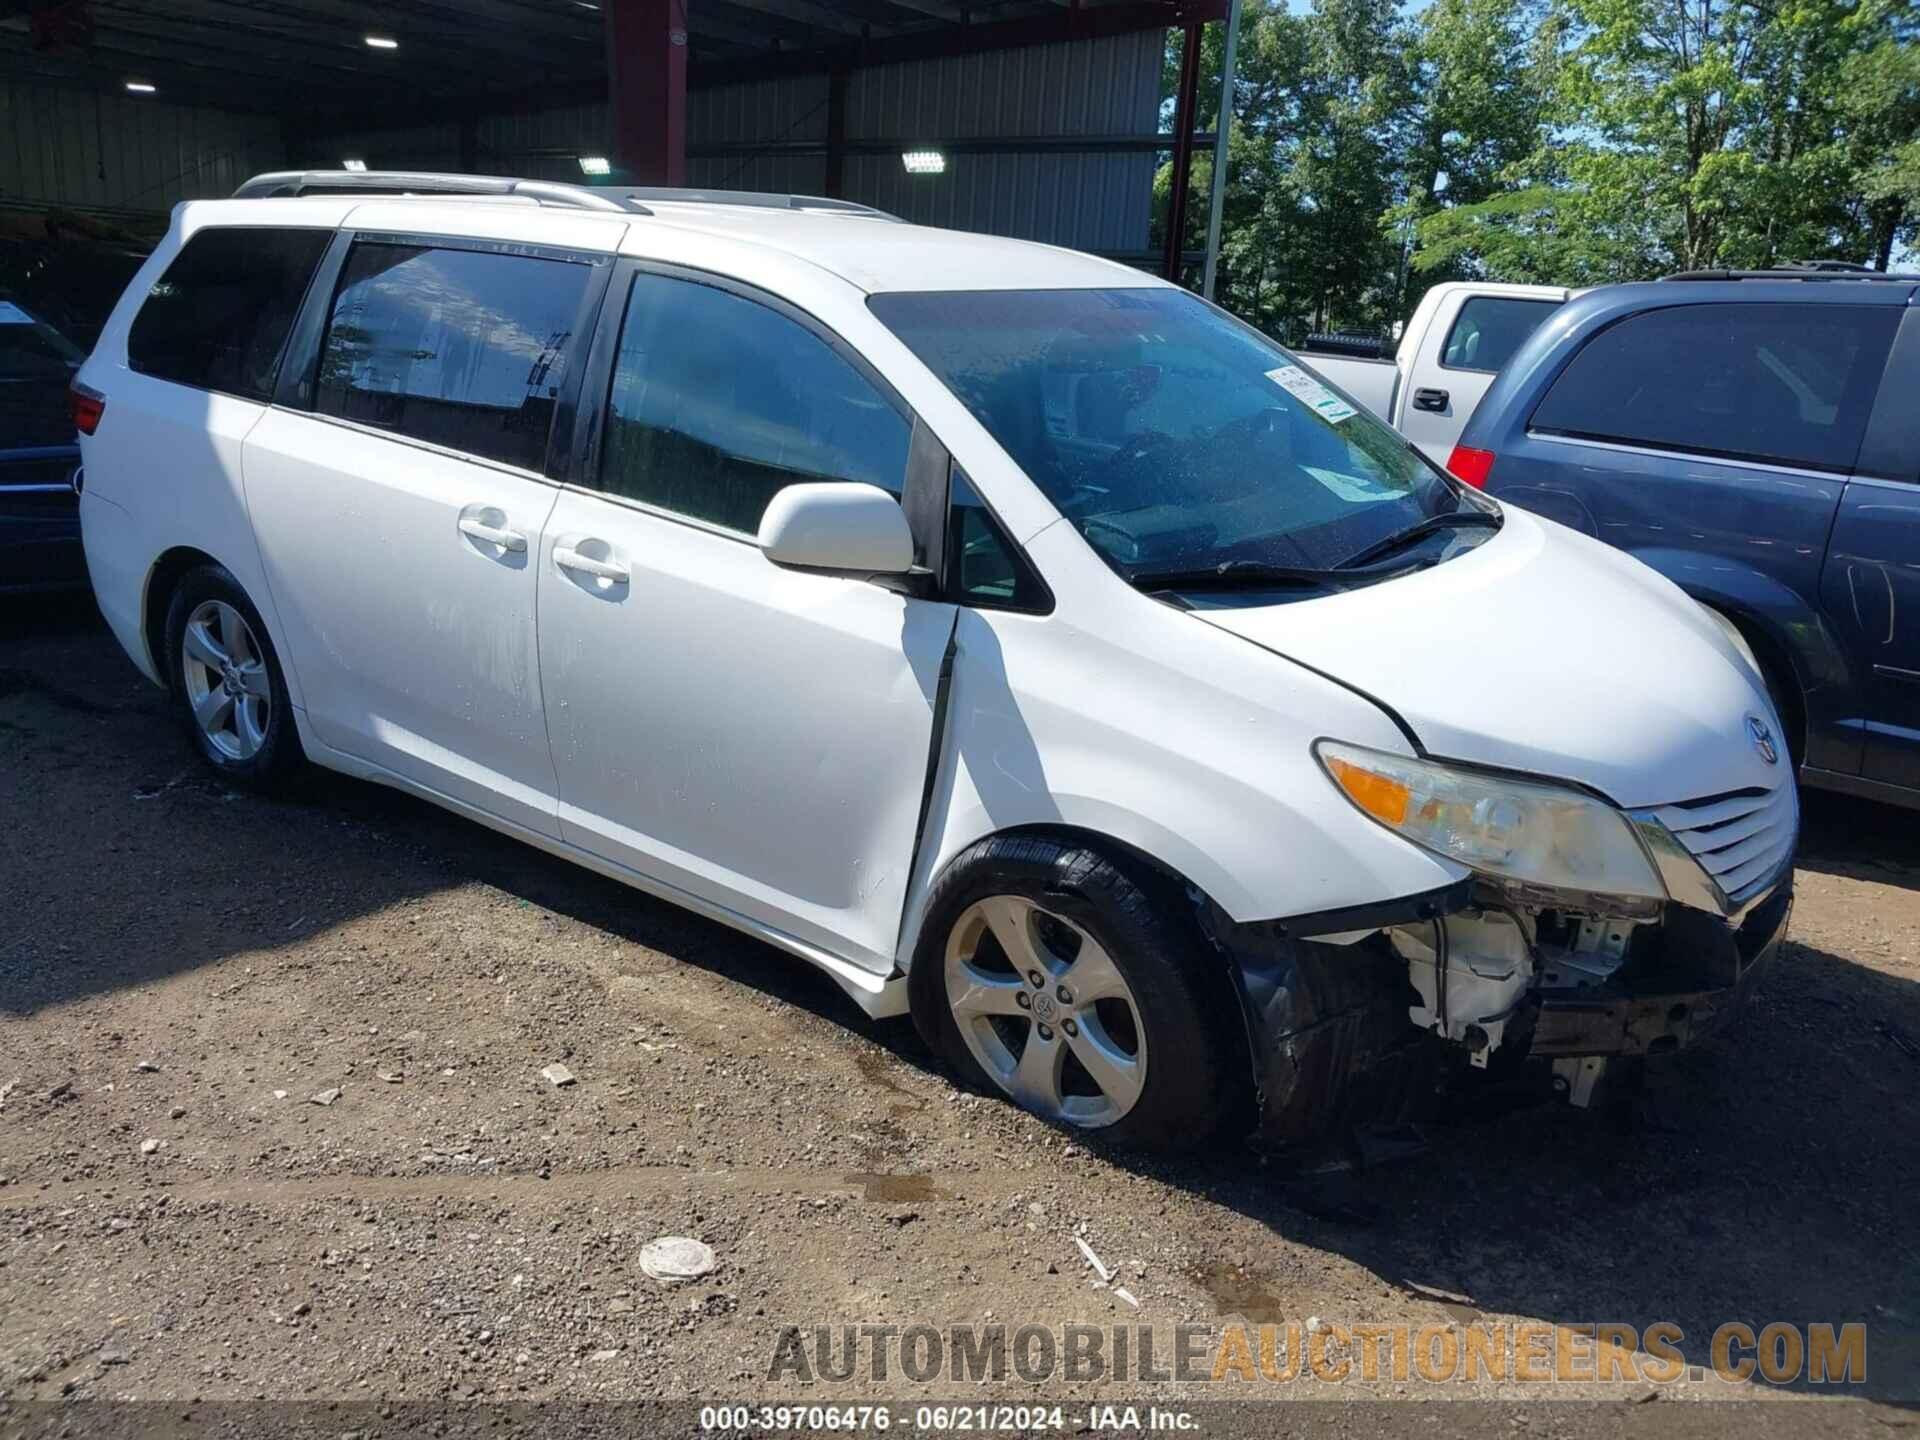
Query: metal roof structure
<point x="1048" y="116"/>
<point x="311" y="59"/>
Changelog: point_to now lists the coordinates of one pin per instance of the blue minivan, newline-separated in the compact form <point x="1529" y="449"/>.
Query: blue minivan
<point x="1754" y="437"/>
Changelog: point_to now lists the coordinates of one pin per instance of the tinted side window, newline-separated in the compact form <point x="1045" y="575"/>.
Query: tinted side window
<point x="217" y="319"/>
<point x="1786" y="384"/>
<point x="462" y="348"/>
<point x="1489" y="328"/>
<point x="718" y="402"/>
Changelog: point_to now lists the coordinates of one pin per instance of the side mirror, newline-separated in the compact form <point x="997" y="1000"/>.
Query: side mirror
<point x="839" y="526"/>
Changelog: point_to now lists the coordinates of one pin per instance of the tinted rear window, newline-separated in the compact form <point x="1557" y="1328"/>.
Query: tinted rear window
<point x="462" y="348"/>
<point x="1489" y="328"/>
<point x="1781" y="384"/>
<point x="218" y="318"/>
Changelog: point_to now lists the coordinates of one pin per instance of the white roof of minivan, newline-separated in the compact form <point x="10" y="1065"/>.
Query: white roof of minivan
<point x="878" y="254"/>
<point x="869" y="251"/>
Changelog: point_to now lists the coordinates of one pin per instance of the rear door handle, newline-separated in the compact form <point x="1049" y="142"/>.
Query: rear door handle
<point x="568" y="558"/>
<point x="1430" y="400"/>
<point x="477" y="529"/>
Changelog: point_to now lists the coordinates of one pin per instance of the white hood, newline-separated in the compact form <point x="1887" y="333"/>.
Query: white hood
<point x="1541" y="651"/>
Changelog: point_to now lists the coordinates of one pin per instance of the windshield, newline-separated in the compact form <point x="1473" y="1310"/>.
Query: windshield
<point x="1173" y="437"/>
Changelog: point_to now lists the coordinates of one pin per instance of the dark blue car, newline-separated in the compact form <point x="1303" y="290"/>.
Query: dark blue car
<point x="39" y="518"/>
<point x="1754" y="437"/>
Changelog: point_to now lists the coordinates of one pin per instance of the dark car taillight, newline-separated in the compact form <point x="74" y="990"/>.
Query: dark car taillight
<point x="1470" y="465"/>
<point x="86" y="405"/>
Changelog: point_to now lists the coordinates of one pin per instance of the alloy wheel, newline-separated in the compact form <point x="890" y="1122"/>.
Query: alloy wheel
<point x="1045" y="1012"/>
<point x="225" y="672"/>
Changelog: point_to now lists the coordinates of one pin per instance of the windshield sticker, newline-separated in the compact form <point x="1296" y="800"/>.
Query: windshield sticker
<point x="1355" y="489"/>
<point x="12" y="314"/>
<point x="1324" y="403"/>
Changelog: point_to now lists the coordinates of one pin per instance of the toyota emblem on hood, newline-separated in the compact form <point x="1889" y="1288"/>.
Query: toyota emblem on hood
<point x="1762" y="737"/>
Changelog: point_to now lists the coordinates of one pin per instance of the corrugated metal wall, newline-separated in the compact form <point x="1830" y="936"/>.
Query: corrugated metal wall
<point x="55" y="145"/>
<point x="545" y="144"/>
<point x="122" y="152"/>
<point x="423" y="147"/>
<point x="1088" y="201"/>
<point x="768" y="111"/>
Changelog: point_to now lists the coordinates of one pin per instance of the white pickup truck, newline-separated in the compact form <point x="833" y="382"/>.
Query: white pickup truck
<point x="1460" y="335"/>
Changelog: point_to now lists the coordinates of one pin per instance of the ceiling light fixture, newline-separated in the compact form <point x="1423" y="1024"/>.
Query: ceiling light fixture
<point x="595" y="165"/>
<point x="140" y="87"/>
<point x="381" y="42"/>
<point x="924" y="162"/>
<point x="356" y="166"/>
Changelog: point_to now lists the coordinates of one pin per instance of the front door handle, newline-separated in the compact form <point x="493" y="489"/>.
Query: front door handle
<point x="568" y="558"/>
<point x="1435" y="400"/>
<point x="477" y="529"/>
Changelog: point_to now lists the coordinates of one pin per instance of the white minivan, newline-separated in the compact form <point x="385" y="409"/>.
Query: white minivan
<point x="1019" y="639"/>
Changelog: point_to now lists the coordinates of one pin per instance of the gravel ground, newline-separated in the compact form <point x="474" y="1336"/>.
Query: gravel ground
<point x="187" y="974"/>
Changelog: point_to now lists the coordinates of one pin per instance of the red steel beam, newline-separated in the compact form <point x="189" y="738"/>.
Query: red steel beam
<point x="647" y="89"/>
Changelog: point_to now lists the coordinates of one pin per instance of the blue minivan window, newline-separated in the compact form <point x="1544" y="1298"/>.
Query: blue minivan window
<point x="1782" y="384"/>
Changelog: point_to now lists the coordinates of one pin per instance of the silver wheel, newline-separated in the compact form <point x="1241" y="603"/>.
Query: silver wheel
<point x="225" y="672"/>
<point x="1045" y="1012"/>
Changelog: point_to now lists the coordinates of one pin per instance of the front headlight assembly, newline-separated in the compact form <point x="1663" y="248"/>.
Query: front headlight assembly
<point x="1531" y="832"/>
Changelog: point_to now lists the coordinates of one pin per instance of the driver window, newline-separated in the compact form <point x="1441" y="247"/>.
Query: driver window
<point x="719" y="402"/>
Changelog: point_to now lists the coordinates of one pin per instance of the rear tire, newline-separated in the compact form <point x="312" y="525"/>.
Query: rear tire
<point x="226" y="682"/>
<point x="1133" y="1033"/>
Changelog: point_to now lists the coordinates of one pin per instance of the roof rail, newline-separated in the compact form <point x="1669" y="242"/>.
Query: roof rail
<point x="766" y="200"/>
<point x="1801" y="270"/>
<point x="410" y="182"/>
<point x="625" y="199"/>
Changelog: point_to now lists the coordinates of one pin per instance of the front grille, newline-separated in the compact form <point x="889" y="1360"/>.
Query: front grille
<point x="1741" y="839"/>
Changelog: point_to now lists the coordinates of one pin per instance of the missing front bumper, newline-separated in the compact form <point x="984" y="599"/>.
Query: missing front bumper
<point x="1359" y="1031"/>
<point x="1692" y="980"/>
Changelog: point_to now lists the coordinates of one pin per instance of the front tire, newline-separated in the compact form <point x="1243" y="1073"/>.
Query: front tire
<point x="228" y="689"/>
<point x="1082" y="989"/>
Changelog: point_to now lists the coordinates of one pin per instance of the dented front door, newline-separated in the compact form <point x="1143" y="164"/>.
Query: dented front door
<point x="757" y="737"/>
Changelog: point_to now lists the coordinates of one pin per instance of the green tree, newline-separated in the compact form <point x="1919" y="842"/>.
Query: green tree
<point x="1320" y="102"/>
<point x="1572" y="142"/>
<point x="1482" y="77"/>
<point x="1880" y="96"/>
<point x="1700" y="133"/>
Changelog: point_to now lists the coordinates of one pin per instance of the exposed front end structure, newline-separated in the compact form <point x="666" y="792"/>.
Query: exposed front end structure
<point x="1346" y="1011"/>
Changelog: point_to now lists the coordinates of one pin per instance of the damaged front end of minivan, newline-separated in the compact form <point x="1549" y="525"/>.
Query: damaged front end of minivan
<point x="1355" y="1015"/>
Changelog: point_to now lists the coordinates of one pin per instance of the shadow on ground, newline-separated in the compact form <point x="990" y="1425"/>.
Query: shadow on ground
<point x="1860" y="839"/>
